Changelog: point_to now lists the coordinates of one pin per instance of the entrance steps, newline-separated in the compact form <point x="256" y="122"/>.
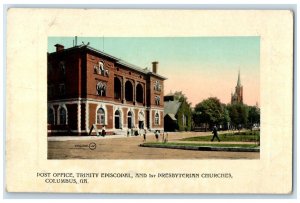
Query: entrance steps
<point x="120" y="132"/>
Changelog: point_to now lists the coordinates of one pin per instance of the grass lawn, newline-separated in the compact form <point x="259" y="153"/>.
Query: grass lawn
<point x="248" y="136"/>
<point x="200" y="144"/>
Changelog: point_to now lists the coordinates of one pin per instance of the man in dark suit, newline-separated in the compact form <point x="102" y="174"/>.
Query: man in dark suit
<point x="215" y="132"/>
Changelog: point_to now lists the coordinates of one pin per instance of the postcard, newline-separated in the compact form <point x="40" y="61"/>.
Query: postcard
<point x="179" y="101"/>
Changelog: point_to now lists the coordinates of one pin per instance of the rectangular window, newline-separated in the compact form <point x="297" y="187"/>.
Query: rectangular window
<point x="62" y="89"/>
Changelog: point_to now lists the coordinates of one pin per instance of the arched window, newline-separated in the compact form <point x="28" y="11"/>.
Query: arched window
<point x="128" y="91"/>
<point x="156" y="118"/>
<point x="100" y="69"/>
<point x="157" y="100"/>
<point x="101" y="89"/>
<point x="139" y="93"/>
<point x="129" y="120"/>
<point x="157" y="86"/>
<point x="117" y="88"/>
<point x="62" y="116"/>
<point x="117" y="119"/>
<point x="100" y="116"/>
<point x="51" y="116"/>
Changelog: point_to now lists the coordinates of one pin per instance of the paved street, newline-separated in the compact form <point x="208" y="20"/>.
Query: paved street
<point x="120" y="147"/>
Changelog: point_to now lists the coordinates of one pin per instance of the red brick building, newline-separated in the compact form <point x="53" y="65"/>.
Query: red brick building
<point x="87" y="86"/>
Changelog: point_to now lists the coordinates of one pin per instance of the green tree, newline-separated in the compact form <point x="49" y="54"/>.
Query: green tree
<point x="238" y="115"/>
<point x="253" y="116"/>
<point x="209" y="111"/>
<point x="179" y="96"/>
<point x="225" y="116"/>
<point x="234" y="115"/>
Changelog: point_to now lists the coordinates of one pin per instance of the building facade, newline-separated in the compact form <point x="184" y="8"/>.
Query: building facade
<point x="237" y="96"/>
<point x="87" y="86"/>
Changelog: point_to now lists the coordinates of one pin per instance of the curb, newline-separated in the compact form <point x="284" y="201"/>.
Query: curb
<point x="204" y="148"/>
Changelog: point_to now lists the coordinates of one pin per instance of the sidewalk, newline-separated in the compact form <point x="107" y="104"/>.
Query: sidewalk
<point x="171" y="136"/>
<point x="123" y="147"/>
<point x="71" y="138"/>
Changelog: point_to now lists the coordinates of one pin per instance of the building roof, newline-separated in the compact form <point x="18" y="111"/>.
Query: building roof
<point x="171" y="108"/>
<point x="129" y="65"/>
<point x="117" y="60"/>
<point x="172" y="116"/>
<point x="169" y="94"/>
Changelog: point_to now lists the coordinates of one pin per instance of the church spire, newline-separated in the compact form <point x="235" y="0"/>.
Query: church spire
<point x="237" y="97"/>
<point x="239" y="80"/>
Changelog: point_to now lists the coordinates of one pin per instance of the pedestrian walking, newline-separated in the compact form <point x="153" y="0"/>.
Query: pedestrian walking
<point x="128" y="132"/>
<point x="156" y="135"/>
<point x="103" y="133"/>
<point x="144" y="134"/>
<point x="166" y="138"/>
<point x="163" y="137"/>
<point x="215" y="134"/>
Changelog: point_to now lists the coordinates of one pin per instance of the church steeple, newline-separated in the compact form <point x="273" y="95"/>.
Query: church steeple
<point x="237" y="96"/>
<point x="239" y="80"/>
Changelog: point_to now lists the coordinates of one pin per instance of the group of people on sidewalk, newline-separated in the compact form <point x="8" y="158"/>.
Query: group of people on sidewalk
<point x="164" y="137"/>
<point x="143" y="131"/>
<point x="157" y="133"/>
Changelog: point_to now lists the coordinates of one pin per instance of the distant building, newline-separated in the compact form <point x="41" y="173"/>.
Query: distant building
<point x="177" y="114"/>
<point x="237" y="96"/>
<point x="88" y="87"/>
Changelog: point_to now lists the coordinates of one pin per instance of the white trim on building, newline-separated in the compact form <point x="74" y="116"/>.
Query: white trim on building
<point x="87" y="116"/>
<point x="96" y="101"/>
<point x="104" y="105"/>
<point x="79" y="116"/>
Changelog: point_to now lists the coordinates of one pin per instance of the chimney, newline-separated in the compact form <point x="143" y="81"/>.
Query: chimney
<point x="59" y="47"/>
<point x="154" y="66"/>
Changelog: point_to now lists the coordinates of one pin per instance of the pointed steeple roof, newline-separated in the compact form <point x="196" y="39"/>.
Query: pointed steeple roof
<point x="239" y="80"/>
